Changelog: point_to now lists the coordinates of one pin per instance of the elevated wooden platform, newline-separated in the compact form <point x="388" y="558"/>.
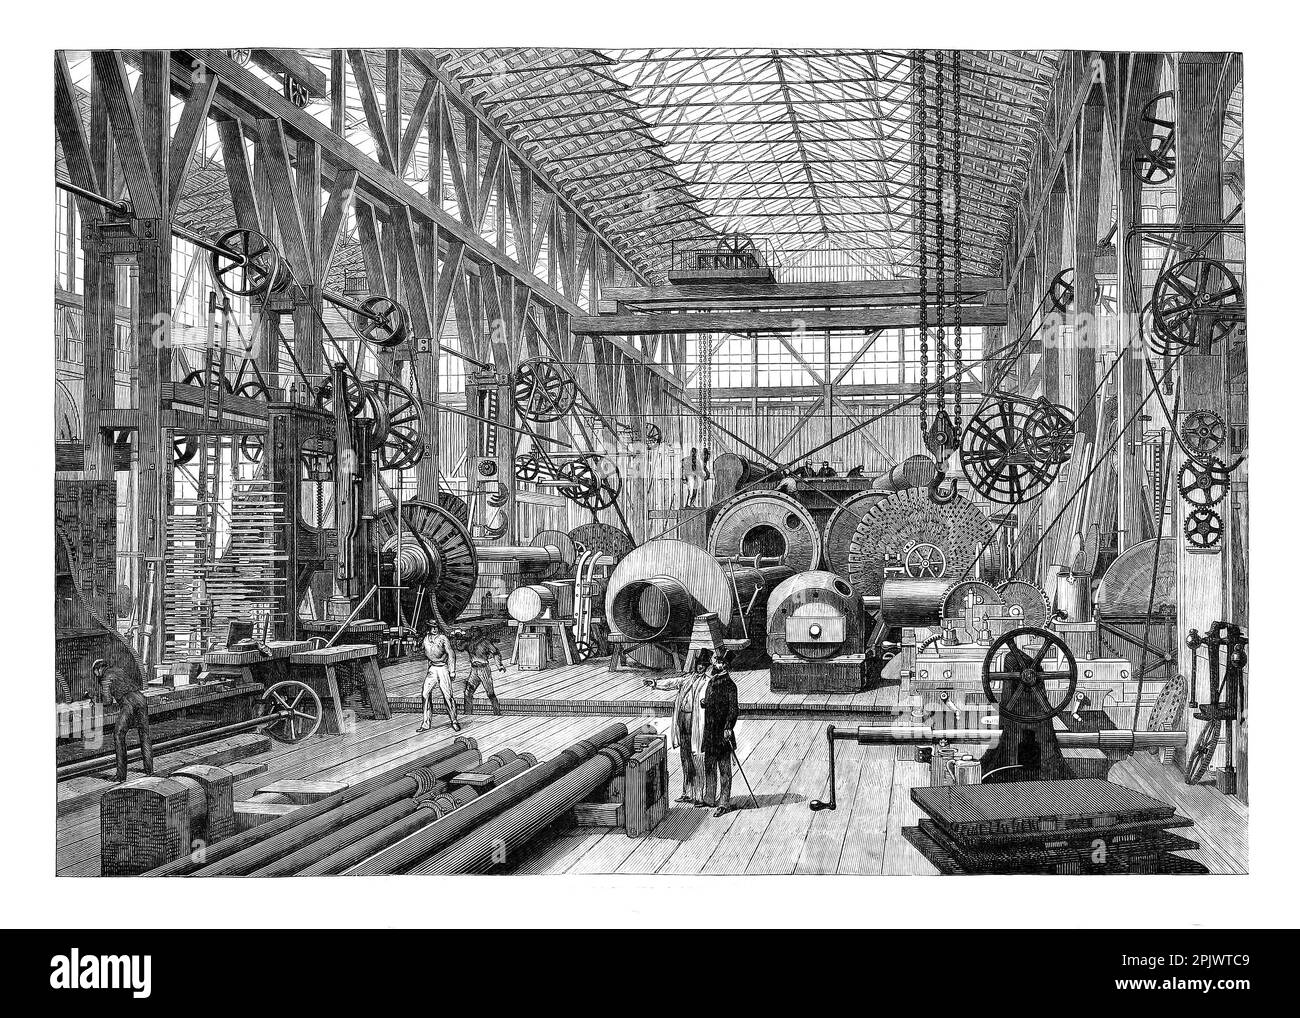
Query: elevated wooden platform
<point x="590" y="688"/>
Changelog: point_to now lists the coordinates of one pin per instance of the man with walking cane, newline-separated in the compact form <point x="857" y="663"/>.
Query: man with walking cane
<point x="721" y="709"/>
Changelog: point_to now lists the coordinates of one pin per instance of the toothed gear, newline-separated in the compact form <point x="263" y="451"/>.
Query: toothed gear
<point x="1203" y="432"/>
<point x="1203" y="482"/>
<point x="1026" y="601"/>
<point x="1203" y="528"/>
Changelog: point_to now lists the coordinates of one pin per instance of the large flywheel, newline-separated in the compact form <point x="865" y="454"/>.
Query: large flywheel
<point x="952" y="533"/>
<point x="429" y="554"/>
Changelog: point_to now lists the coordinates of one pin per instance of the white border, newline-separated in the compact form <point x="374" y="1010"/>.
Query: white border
<point x="34" y="897"/>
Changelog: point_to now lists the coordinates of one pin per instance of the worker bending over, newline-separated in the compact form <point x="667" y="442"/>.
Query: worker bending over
<point x="132" y="712"/>
<point x="483" y="647"/>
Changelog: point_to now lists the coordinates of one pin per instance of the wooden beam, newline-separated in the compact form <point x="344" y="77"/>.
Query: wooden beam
<point x="370" y="104"/>
<point x="752" y="294"/>
<point x="291" y="62"/>
<point x="72" y="137"/>
<point x="331" y="228"/>
<point x="128" y="134"/>
<point x="189" y="133"/>
<point x="284" y="196"/>
<point x="843" y="320"/>
<point x="411" y="136"/>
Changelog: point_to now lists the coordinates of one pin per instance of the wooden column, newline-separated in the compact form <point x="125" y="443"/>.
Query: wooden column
<point x="154" y="305"/>
<point x="1087" y="197"/>
<point x="1139" y="71"/>
<point x="1053" y="233"/>
<point x="1202" y="576"/>
<point x="98" y="320"/>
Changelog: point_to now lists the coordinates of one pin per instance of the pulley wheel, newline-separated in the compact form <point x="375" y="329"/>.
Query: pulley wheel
<point x="591" y="481"/>
<point x="402" y="446"/>
<point x="543" y="391"/>
<point x="384" y="322"/>
<point x="1011" y="450"/>
<point x="248" y="265"/>
<point x="362" y="405"/>
<point x="1196" y="301"/>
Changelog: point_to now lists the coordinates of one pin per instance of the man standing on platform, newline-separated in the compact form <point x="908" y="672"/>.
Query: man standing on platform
<point x="687" y="724"/>
<point x="442" y="671"/>
<point x="721" y="703"/>
<point x="483" y="647"/>
<point x="132" y="712"/>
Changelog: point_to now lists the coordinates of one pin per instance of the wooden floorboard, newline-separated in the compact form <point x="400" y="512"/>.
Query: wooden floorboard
<point x="783" y="754"/>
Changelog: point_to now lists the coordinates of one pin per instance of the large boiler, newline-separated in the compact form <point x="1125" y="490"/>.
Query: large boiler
<point x="817" y="633"/>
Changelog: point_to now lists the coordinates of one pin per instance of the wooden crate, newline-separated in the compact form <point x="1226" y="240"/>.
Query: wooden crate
<point x="645" y="785"/>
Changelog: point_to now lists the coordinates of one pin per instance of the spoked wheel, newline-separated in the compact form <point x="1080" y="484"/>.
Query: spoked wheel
<point x="251" y="447"/>
<point x="736" y="251"/>
<point x="527" y="468"/>
<point x="403" y="445"/>
<point x="184" y="449"/>
<point x="253" y="388"/>
<point x="1196" y="301"/>
<point x="925" y="560"/>
<point x="249" y="265"/>
<point x="294" y="710"/>
<point x="1035" y="675"/>
<point x="362" y="405"/>
<point x="1202" y="754"/>
<point x="1203" y="528"/>
<point x="592" y="481"/>
<point x="201" y="378"/>
<point x="384" y="321"/>
<point x="654" y="434"/>
<point x="1049" y="433"/>
<point x="1156" y="164"/>
<point x="582" y="650"/>
<point x="1014" y="447"/>
<point x="1061" y="292"/>
<point x="543" y="391"/>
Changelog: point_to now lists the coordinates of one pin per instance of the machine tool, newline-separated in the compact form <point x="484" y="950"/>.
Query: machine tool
<point x="816" y="635"/>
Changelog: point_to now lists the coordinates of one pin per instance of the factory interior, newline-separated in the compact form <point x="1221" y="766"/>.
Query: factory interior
<point x="463" y="457"/>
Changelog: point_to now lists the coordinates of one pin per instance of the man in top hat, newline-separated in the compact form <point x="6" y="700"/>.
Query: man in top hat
<point x="721" y="702"/>
<point x="687" y="726"/>
<point x="132" y="712"/>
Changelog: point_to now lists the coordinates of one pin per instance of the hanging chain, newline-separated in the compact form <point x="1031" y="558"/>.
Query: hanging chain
<point x="956" y="227"/>
<point x="923" y="200"/>
<point x="941" y="233"/>
<point x="705" y="428"/>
